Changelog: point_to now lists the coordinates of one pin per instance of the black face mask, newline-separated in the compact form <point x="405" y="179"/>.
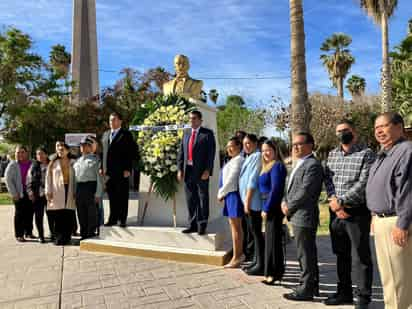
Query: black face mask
<point x="345" y="137"/>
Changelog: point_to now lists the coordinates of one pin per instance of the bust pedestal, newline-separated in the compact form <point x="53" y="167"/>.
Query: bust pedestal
<point x="155" y="236"/>
<point x="159" y="213"/>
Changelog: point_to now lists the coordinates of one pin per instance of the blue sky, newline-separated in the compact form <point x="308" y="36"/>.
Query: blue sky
<point x="223" y="38"/>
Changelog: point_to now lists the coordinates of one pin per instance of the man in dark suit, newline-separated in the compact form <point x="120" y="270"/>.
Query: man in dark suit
<point x="119" y="150"/>
<point x="301" y="207"/>
<point x="195" y="164"/>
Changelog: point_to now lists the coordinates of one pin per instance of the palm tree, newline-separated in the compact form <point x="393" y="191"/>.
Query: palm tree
<point x="300" y="106"/>
<point x="380" y="11"/>
<point x="60" y="60"/>
<point x="339" y="59"/>
<point x="356" y="85"/>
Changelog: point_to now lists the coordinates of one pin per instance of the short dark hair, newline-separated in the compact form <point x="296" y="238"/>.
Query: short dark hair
<point x="240" y="134"/>
<point x="394" y="118"/>
<point x="197" y="113"/>
<point x="21" y="147"/>
<point x="308" y="137"/>
<point x="236" y="140"/>
<point x="252" y="137"/>
<point x="347" y="122"/>
<point x="116" y="114"/>
<point x="42" y="148"/>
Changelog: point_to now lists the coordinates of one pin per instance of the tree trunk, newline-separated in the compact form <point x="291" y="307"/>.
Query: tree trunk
<point x="300" y="106"/>
<point x="386" y="83"/>
<point x="340" y="87"/>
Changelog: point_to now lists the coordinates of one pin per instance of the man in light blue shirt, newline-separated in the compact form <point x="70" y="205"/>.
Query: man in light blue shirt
<point x="250" y="195"/>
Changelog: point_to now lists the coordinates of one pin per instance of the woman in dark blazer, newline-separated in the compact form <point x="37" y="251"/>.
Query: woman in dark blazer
<point x="271" y="185"/>
<point x="35" y="186"/>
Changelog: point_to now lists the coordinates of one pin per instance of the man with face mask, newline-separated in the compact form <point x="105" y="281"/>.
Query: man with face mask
<point x="346" y="174"/>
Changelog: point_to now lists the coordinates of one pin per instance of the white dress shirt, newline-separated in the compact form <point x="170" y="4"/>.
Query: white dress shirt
<point x="298" y="164"/>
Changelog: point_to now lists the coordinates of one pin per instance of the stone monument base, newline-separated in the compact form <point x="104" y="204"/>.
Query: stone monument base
<point x="161" y="243"/>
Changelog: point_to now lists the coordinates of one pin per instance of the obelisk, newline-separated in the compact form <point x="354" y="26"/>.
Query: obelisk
<point x="84" y="51"/>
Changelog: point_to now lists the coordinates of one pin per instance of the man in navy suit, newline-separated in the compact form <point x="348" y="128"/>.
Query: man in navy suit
<point x="195" y="164"/>
<point x="119" y="150"/>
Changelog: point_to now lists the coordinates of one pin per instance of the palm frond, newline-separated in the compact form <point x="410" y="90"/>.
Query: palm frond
<point x="374" y="8"/>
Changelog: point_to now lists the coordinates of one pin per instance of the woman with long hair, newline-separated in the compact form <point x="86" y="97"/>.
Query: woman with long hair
<point x="271" y="185"/>
<point x="36" y="181"/>
<point x="229" y="193"/>
<point x="60" y="192"/>
<point x="252" y="201"/>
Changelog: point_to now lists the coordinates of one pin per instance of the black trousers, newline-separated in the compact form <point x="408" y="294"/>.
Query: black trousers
<point x="350" y="244"/>
<point x="307" y="254"/>
<point x="118" y="192"/>
<point x="52" y="223"/>
<point x="197" y="199"/>
<point x="248" y="239"/>
<point x="274" y="257"/>
<point x="23" y="217"/>
<point x="86" y="208"/>
<point x="254" y="220"/>
<point x="63" y="219"/>
<point x="39" y="205"/>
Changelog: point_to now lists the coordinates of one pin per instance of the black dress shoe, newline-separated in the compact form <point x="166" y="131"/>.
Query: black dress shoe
<point x="361" y="306"/>
<point x="247" y="266"/>
<point x="298" y="297"/>
<point x="30" y="236"/>
<point x="123" y="225"/>
<point x="202" y="229"/>
<point x="41" y="240"/>
<point x="189" y="230"/>
<point x="316" y="292"/>
<point x="248" y="263"/>
<point x="256" y="270"/>
<point x="110" y="223"/>
<point x="338" y="299"/>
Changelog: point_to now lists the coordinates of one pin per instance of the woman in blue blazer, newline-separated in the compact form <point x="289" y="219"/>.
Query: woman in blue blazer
<point x="271" y="185"/>
<point x="229" y="193"/>
<point x="251" y="198"/>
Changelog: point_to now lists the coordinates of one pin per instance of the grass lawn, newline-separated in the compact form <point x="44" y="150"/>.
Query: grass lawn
<point x="5" y="199"/>
<point x="323" y="228"/>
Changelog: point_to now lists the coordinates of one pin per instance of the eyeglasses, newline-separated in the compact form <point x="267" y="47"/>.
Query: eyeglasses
<point x="298" y="144"/>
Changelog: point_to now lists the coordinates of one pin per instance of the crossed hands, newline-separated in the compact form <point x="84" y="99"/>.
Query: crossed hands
<point x="338" y="209"/>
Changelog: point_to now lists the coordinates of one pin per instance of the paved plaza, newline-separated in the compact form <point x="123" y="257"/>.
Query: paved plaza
<point x="40" y="276"/>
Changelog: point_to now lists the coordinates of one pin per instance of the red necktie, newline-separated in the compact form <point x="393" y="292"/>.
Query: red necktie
<point x="191" y="143"/>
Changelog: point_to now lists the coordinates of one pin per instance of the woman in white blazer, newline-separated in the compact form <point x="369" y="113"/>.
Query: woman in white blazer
<point x="60" y="191"/>
<point x="229" y="193"/>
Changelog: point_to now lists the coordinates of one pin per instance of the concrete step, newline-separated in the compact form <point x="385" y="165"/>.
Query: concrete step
<point x="218" y="258"/>
<point x="164" y="237"/>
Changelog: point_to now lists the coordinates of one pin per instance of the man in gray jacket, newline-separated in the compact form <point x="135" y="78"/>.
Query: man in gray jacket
<point x="301" y="207"/>
<point x="15" y="175"/>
